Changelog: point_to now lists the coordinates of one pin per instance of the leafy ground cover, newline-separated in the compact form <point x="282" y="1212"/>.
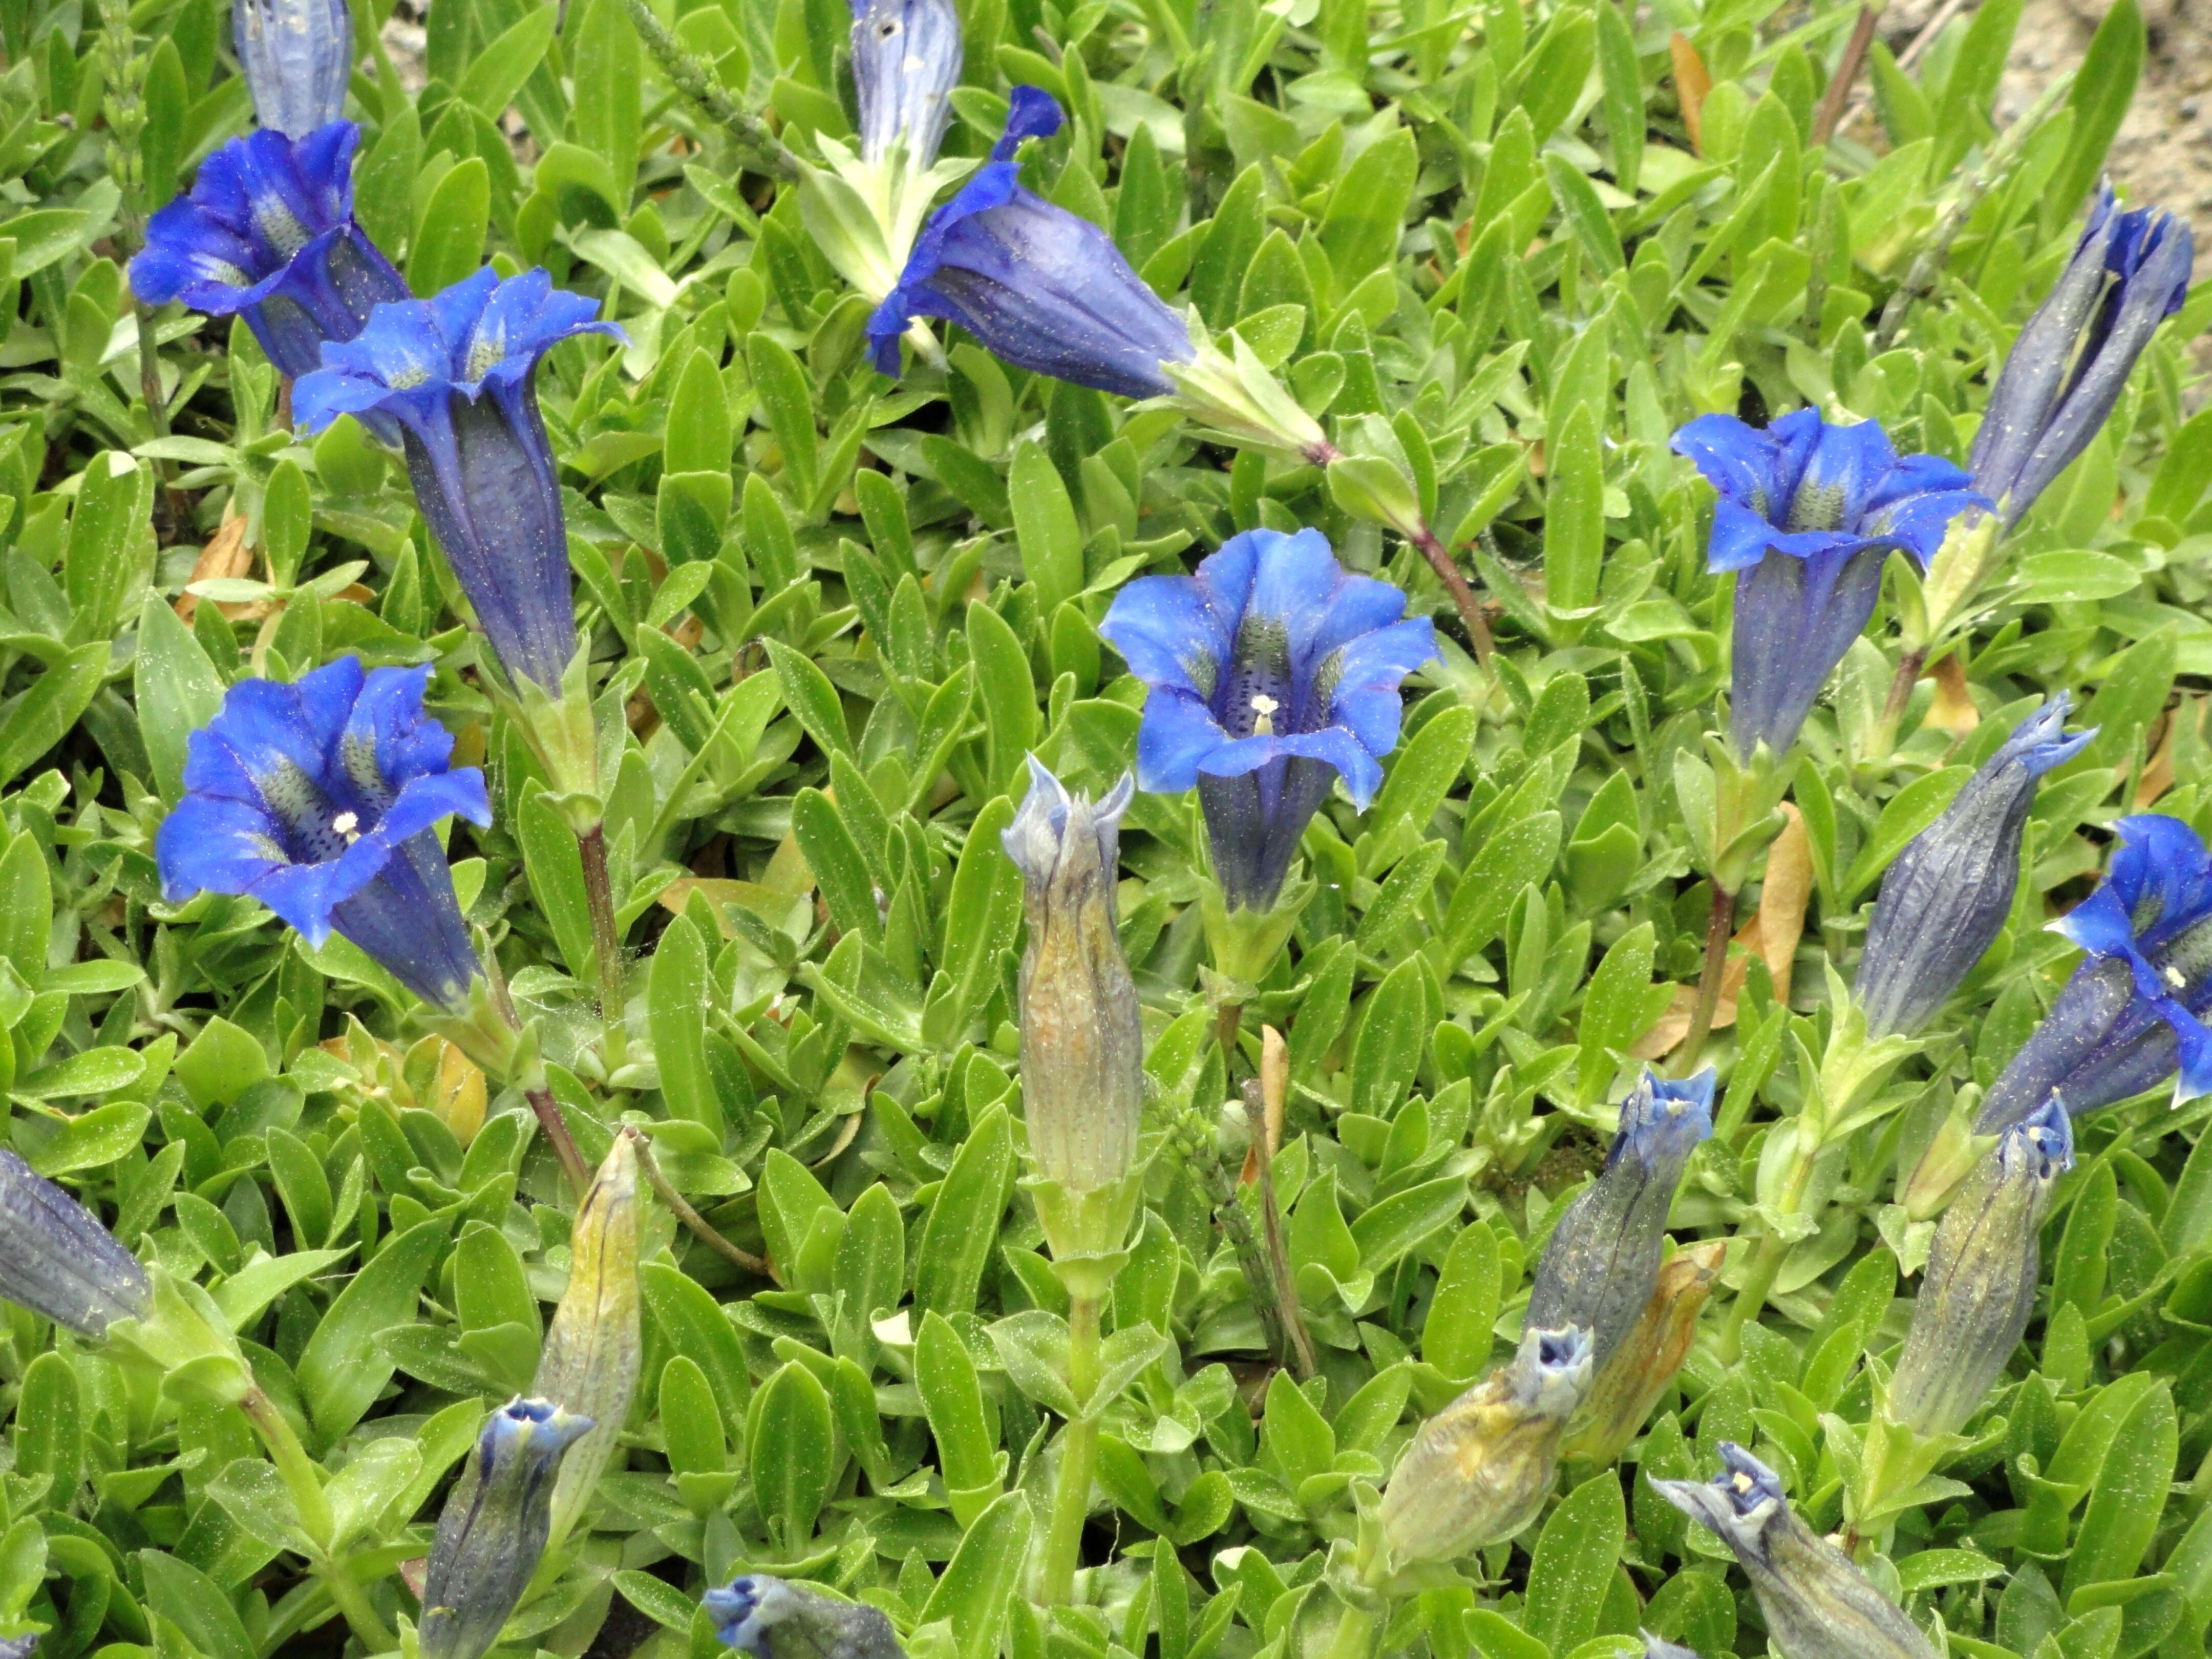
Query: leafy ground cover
<point x="748" y="1104"/>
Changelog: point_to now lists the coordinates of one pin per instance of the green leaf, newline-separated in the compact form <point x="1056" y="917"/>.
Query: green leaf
<point x="500" y="69"/>
<point x="556" y="868"/>
<point x="176" y="690"/>
<point x="678" y="1003"/>
<point x="982" y="1577"/>
<point x="1911" y="810"/>
<point x="964" y="1219"/>
<point x="792" y="1443"/>
<point x="449" y="232"/>
<point x="341" y="1371"/>
<point x="1045" y="528"/>
<point x="1360" y="226"/>
<point x="1576" y="1557"/>
<point x="2104" y="89"/>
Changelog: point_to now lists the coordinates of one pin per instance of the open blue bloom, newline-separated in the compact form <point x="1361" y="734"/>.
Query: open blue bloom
<point x="772" y="1617"/>
<point x="493" y="1531"/>
<point x="296" y="55"/>
<point x="456" y="378"/>
<point x="1602" y="1263"/>
<point x="906" y="61"/>
<point x="2128" y="273"/>
<point x="1817" y="1604"/>
<point x="317" y="799"/>
<point x="269" y="233"/>
<point x="1945" y="897"/>
<point x="1979" y="1288"/>
<point x="1809" y="512"/>
<point x="1046" y="290"/>
<point x="1274" y="671"/>
<point x="57" y="1259"/>
<point x="2133" y="1014"/>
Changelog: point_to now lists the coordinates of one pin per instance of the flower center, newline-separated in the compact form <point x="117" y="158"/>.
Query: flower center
<point x="1263" y="716"/>
<point x="349" y="825"/>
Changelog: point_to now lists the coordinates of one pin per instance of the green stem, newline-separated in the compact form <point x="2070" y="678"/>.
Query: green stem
<point x="351" y="1597"/>
<point x="607" y="942"/>
<point x="1766" y="1264"/>
<point x="1079" y="1447"/>
<point x="1720" y="927"/>
<point x="302" y="1476"/>
<point x="1355" y="1635"/>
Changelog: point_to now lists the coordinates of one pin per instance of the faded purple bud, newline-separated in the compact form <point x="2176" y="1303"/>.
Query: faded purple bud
<point x="775" y="1618"/>
<point x="1602" y="1261"/>
<point x="58" y="1260"/>
<point x="493" y="1527"/>
<point x="1480" y="1469"/>
<point x="1982" y="1270"/>
<point x="1945" y="897"/>
<point x="1817" y="1604"/>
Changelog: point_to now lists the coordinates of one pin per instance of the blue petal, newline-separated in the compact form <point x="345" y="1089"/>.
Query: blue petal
<point x="1736" y="459"/>
<point x="1850" y="462"/>
<point x="1167" y="632"/>
<point x="214" y="844"/>
<point x="1030" y="113"/>
<point x="1176" y="735"/>
<point x="1366" y="701"/>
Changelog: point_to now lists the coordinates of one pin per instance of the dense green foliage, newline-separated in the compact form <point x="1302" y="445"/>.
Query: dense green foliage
<point x="1508" y="248"/>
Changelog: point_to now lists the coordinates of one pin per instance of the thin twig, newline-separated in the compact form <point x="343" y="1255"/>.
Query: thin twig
<point x="556" y="1131"/>
<point x="692" y="78"/>
<point x="704" y="1230"/>
<point x="1720" y="927"/>
<point x="1273" y="1088"/>
<point x="1847" y="72"/>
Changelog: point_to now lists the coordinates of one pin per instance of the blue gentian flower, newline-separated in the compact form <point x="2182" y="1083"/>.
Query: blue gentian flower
<point x="1602" y="1263"/>
<point x="493" y="1531"/>
<point x="317" y="799"/>
<point x="1809" y="512"/>
<point x="56" y="1260"/>
<point x="2128" y="273"/>
<point x="1979" y="1288"/>
<point x="772" y="1617"/>
<point x="297" y="55"/>
<point x="1274" y="671"/>
<point x="2133" y="1014"/>
<point x="906" y="61"/>
<point x="269" y="233"/>
<point x="1045" y="289"/>
<point x="1945" y="897"/>
<point x="455" y="378"/>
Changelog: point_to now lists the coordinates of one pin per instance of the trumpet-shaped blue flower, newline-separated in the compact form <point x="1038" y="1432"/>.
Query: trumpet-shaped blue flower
<point x="1045" y="289"/>
<point x="772" y="1617"/>
<point x="1602" y="1263"/>
<point x="269" y="233"/>
<point x="317" y="799"/>
<point x="296" y="55"/>
<point x="455" y="379"/>
<point x="2128" y="273"/>
<point x="1808" y="513"/>
<point x="56" y="1260"/>
<point x="493" y="1531"/>
<point x="1979" y="1289"/>
<point x="1945" y="897"/>
<point x="906" y="61"/>
<point x="2133" y="1014"/>
<point x="1273" y="671"/>
<point x="1817" y="1604"/>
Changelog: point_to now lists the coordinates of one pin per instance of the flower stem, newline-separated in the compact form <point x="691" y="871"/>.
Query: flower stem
<point x="764" y="150"/>
<point x="302" y="1479"/>
<point x="556" y="1131"/>
<point x="1892" y="706"/>
<point x="1766" y="1264"/>
<point x="1720" y="927"/>
<point x="606" y="941"/>
<point x="705" y="1230"/>
<point x="1470" y="608"/>
<point x="1293" y="1325"/>
<point x="1831" y="112"/>
<point x="352" y="1599"/>
<point x="1078" y="1447"/>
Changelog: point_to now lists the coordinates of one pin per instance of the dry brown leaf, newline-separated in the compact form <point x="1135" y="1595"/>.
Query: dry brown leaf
<point x="1772" y="934"/>
<point x="225" y="554"/>
<point x="1693" y="81"/>
<point x="1953" y="709"/>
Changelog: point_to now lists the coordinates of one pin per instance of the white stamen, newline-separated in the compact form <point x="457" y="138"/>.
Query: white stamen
<point x="2175" y="977"/>
<point x="347" y="824"/>
<point x="1263" y="716"/>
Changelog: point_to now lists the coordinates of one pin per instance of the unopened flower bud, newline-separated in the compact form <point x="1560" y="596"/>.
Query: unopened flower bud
<point x="1480" y="1470"/>
<point x="1979" y="1288"/>
<point x="774" y="1619"/>
<point x="58" y="1260"/>
<point x="1945" y="897"/>
<point x="1952" y="1152"/>
<point x="1083" y="1044"/>
<point x="1817" y="1604"/>
<point x="593" y="1351"/>
<point x="1602" y="1261"/>
<point x="494" y="1527"/>
<point x="1629" y="1384"/>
